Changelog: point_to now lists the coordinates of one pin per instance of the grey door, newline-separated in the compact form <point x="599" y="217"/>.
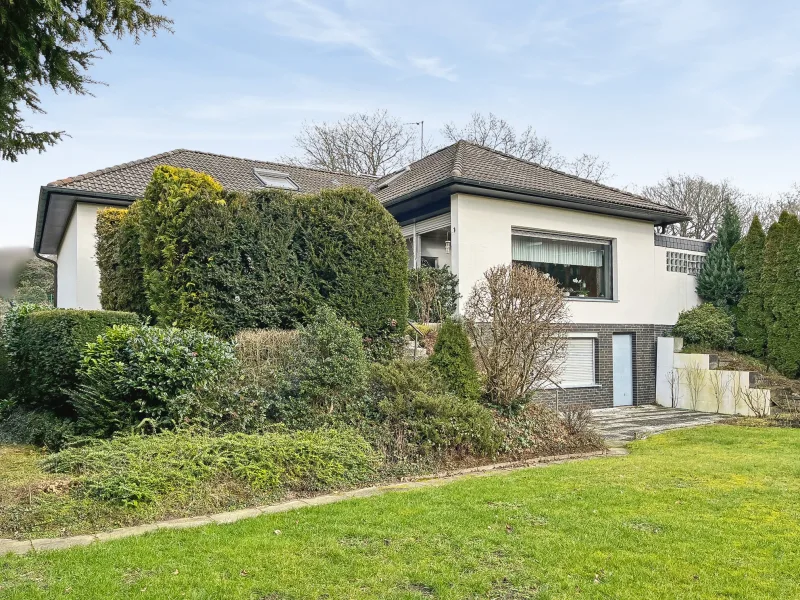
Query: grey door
<point x="623" y="369"/>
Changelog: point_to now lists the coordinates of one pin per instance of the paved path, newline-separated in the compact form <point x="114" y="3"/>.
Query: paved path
<point x="627" y="423"/>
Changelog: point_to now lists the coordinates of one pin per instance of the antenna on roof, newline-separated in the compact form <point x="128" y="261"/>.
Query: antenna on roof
<point x="421" y="135"/>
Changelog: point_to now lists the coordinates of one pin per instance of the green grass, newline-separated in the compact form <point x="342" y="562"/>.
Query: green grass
<point x="703" y="513"/>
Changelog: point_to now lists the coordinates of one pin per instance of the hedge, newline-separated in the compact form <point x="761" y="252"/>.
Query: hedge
<point x="706" y="325"/>
<point x="748" y="254"/>
<point x="223" y="262"/>
<point x="44" y="350"/>
<point x="117" y="251"/>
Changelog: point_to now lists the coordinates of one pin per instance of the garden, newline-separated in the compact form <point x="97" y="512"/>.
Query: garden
<point x="751" y="315"/>
<point x="251" y="349"/>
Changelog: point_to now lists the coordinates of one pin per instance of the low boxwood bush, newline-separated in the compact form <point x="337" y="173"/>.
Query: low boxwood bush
<point x="141" y="469"/>
<point x="707" y="326"/>
<point x="150" y="376"/>
<point x="44" y="351"/>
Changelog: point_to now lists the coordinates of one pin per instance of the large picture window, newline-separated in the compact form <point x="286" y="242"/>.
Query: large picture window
<point x="581" y="266"/>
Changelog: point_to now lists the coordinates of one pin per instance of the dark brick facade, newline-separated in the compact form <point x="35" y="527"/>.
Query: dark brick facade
<point x="644" y="367"/>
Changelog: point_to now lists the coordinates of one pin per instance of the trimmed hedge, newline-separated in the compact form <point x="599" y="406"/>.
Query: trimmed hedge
<point x="705" y="325"/>
<point x="117" y="251"/>
<point x="222" y="262"/>
<point x="44" y="348"/>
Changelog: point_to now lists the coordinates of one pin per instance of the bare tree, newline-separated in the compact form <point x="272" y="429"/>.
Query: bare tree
<point x="517" y="317"/>
<point x="589" y="166"/>
<point x="674" y="383"/>
<point x="496" y="133"/>
<point x="769" y="209"/>
<point x="720" y="386"/>
<point x="703" y="200"/>
<point x="695" y="379"/>
<point x="361" y="143"/>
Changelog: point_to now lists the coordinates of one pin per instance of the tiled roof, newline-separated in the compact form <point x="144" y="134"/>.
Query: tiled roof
<point x="236" y="174"/>
<point x="464" y="161"/>
<point x="481" y="165"/>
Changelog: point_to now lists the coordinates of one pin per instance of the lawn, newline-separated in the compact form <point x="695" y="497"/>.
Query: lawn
<point x="703" y="513"/>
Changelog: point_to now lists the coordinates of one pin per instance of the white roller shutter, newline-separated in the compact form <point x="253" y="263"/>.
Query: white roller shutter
<point x="578" y="366"/>
<point x="427" y="225"/>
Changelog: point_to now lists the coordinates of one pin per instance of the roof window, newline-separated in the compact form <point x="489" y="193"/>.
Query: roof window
<point x="275" y="179"/>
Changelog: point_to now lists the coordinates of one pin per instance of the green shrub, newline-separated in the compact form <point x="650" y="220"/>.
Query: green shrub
<point x="432" y="294"/>
<point x="36" y="428"/>
<point x="706" y="326"/>
<point x="119" y="260"/>
<point x="151" y="374"/>
<point x="141" y="469"/>
<point x="44" y="349"/>
<point x="452" y="358"/>
<point x="416" y="416"/>
<point x="265" y="354"/>
<point x="781" y="287"/>
<point x="328" y="374"/>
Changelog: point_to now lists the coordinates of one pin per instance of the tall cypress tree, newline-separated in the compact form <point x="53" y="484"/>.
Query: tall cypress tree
<point x="719" y="281"/>
<point x="751" y="322"/>
<point x="781" y="288"/>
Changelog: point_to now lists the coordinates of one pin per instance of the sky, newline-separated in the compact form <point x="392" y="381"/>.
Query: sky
<point x="654" y="87"/>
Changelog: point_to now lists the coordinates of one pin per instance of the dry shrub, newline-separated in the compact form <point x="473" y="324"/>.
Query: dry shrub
<point x="577" y="419"/>
<point x="517" y="317"/>
<point x="263" y="353"/>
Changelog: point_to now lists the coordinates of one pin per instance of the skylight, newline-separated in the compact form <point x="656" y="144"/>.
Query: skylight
<point x="275" y="179"/>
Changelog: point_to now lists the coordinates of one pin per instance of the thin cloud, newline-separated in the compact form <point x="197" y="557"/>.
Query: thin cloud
<point x="737" y="132"/>
<point x="432" y="65"/>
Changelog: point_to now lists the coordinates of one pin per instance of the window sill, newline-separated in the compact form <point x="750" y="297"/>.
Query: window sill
<point x="579" y="299"/>
<point x="572" y="386"/>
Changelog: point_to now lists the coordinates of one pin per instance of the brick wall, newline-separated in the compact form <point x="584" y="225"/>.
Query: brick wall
<point x="644" y="367"/>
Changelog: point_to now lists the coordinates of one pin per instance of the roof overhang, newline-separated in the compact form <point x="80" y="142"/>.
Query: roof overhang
<point x="55" y="209"/>
<point x="413" y="205"/>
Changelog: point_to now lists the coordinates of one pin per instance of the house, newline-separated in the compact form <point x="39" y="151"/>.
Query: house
<point x="470" y="208"/>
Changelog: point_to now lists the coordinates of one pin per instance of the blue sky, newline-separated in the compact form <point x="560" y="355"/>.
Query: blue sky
<point x="653" y="86"/>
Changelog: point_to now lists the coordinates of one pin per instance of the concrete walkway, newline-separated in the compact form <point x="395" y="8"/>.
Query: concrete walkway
<point x="628" y="423"/>
<point x="23" y="547"/>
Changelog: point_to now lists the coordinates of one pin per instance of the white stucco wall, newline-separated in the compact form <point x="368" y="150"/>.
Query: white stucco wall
<point x="78" y="275"/>
<point x="481" y="230"/>
<point x="674" y="291"/>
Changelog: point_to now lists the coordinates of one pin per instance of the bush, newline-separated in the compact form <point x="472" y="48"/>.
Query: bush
<point x="138" y="469"/>
<point x="154" y="375"/>
<point x="751" y="318"/>
<point x="706" y="326"/>
<point x="516" y="317"/>
<point x="328" y="374"/>
<point x="223" y="262"/>
<point x="44" y="348"/>
<point x="719" y="281"/>
<point x="36" y="428"/>
<point x="432" y="294"/>
<point x="452" y="359"/>
<point x="418" y="417"/>
<point x="119" y="260"/>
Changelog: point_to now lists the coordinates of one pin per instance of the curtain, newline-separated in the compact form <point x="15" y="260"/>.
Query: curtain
<point x="558" y="252"/>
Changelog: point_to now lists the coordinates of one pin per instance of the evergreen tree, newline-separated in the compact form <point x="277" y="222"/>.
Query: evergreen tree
<point x="751" y="322"/>
<point x="452" y="359"/>
<point x="781" y="288"/>
<point x="719" y="281"/>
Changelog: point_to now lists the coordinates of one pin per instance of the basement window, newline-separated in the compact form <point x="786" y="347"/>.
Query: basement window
<point x="577" y="370"/>
<point x="275" y="179"/>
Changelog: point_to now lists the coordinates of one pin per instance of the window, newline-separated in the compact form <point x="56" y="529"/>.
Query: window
<point x="581" y="266"/>
<point x="275" y="179"/>
<point x="577" y="370"/>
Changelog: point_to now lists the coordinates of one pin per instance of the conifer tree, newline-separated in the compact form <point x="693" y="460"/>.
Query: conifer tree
<point x="781" y="288"/>
<point x="751" y="320"/>
<point x="719" y="281"/>
<point x="452" y="359"/>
